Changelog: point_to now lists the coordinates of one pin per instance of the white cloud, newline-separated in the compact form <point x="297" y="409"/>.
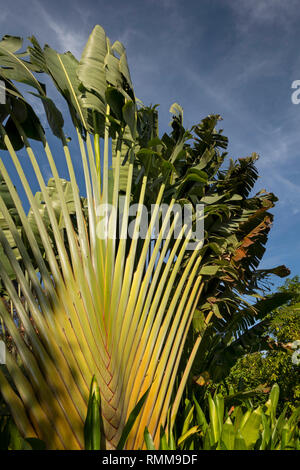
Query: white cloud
<point x="55" y="29"/>
<point x="64" y="35"/>
<point x="258" y="12"/>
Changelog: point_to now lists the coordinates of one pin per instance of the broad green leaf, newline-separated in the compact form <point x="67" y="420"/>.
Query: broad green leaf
<point x="205" y="158"/>
<point x="54" y="116"/>
<point x="214" y="420"/>
<point x="91" y="70"/>
<point x="163" y="443"/>
<point x="216" y="311"/>
<point x="239" y="442"/>
<point x="228" y="434"/>
<point x="187" y="421"/>
<point x="148" y="440"/>
<point x="266" y="433"/>
<point x="273" y="401"/>
<point x="116" y="101"/>
<point x="219" y="401"/>
<point x="13" y="67"/>
<point x="209" y="270"/>
<point x="131" y="420"/>
<point x="212" y="199"/>
<point x="92" y="425"/>
<point x="11" y="43"/>
<point x="250" y="430"/>
<point x="129" y="115"/>
<point x="201" y="420"/>
<point x="191" y="431"/>
<point x="123" y="65"/>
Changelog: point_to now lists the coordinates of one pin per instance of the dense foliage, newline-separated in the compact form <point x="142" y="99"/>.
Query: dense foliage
<point x="137" y="317"/>
<point x="276" y="364"/>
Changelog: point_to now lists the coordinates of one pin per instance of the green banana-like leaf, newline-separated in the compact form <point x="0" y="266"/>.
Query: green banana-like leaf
<point x="228" y="434"/>
<point x="11" y="43"/>
<point x="15" y="105"/>
<point x="250" y="430"/>
<point x="148" y="440"/>
<point x="93" y="426"/>
<point x="12" y="66"/>
<point x="131" y="420"/>
<point x="120" y="166"/>
<point x="91" y="71"/>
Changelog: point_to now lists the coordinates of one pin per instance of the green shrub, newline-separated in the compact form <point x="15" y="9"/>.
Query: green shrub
<point x="226" y="427"/>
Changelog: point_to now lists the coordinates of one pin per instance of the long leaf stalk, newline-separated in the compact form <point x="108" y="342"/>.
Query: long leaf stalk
<point x="162" y="367"/>
<point x="97" y="148"/>
<point x="124" y="294"/>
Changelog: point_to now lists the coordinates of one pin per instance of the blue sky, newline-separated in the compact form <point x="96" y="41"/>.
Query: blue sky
<point x="236" y="58"/>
